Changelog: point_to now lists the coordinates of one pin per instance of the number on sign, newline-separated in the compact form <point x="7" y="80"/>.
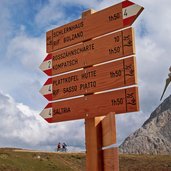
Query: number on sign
<point x="117" y="39"/>
<point x="116" y="73"/>
<point x="125" y="13"/>
<point x="115" y="16"/>
<point x="49" y="64"/>
<point x="50" y="89"/>
<point x="117" y="102"/>
<point x="115" y="50"/>
<point x="50" y="112"/>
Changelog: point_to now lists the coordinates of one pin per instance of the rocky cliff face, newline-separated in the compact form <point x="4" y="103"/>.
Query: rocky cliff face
<point x="154" y="137"/>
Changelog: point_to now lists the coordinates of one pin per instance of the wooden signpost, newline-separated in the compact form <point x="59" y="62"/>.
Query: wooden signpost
<point x="97" y="88"/>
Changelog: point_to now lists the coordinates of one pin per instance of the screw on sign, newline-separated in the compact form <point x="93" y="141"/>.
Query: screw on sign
<point x="111" y="19"/>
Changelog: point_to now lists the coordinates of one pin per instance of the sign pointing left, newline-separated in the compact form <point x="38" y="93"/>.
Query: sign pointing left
<point x="95" y="79"/>
<point x="120" y="101"/>
<point x="46" y="65"/>
<point x="111" y="19"/>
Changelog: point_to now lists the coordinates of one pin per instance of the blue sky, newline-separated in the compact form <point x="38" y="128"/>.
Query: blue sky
<point x="22" y="49"/>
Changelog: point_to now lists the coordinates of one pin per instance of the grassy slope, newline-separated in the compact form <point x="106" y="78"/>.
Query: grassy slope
<point x="145" y="163"/>
<point x="34" y="161"/>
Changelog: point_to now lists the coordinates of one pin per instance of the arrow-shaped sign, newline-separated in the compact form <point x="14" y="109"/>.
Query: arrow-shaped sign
<point x="95" y="79"/>
<point x="99" y="23"/>
<point x="130" y="11"/>
<point x="109" y="47"/>
<point x="120" y="101"/>
<point x="46" y="65"/>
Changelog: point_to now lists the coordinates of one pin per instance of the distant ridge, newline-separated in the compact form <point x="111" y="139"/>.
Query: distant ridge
<point x="10" y="148"/>
<point x="154" y="137"/>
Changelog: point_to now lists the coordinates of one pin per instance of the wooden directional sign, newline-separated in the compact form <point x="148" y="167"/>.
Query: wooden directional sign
<point x="94" y="79"/>
<point x="110" y="19"/>
<point x="88" y="53"/>
<point x="120" y="101"/>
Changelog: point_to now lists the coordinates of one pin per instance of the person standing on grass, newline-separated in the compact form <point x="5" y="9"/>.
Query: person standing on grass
<point x="64" y="147"/>
<point x="59" y="147"/>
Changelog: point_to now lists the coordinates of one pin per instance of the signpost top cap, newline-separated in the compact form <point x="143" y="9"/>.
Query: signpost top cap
<point x="87" y="12"/>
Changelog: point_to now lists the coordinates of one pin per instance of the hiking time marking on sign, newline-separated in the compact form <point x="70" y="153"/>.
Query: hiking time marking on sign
<point x="106" y="48"/>
<point x="110" y="19"/>
<point x="120" y="101"/>
<point x="94" y="79"/>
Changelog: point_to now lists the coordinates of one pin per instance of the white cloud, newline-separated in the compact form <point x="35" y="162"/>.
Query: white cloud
<point x="56" y="11"/>
<point x="29" y="51"/>
<point x="20" y="73"/>
<point x="5" y="24"/>
<point x="49" y="13"/>
<point x="23" y="127"/>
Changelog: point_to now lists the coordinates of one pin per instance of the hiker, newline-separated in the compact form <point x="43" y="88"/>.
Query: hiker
<point x="64" y="147"/>
<point x="59" y="146"/>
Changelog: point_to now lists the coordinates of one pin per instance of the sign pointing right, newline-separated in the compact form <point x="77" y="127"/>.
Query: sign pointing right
<point x="130" y="12"/>
<point x="102" y="22"/>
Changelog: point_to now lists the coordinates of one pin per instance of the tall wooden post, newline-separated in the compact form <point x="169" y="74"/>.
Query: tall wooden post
<point x="93" y="139"/>
<point x="110" y="154"/>
<point x="93" y="136"/>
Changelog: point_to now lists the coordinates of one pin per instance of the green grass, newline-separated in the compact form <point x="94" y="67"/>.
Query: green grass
<point x="11" y="160"/>
<point x="34" y="161"/>
<point x="145" y="162"/>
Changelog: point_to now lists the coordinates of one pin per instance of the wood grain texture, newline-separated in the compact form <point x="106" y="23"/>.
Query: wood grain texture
<point x="65" y="35"/>
<point x="111" y="159"/>
<point x="109" y="130"/>
<point x="110" y="47"/>
<point x="99" y="23"/>
<point x="86" y="28"/>
<point x="95" y="79"/>
<point x="120" y="101"/>
<point x="49" y="41"/>
<point x="93" y="137"/>
<point x="93" y="141"/>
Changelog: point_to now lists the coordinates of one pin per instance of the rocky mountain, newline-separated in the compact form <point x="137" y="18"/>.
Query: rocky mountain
<point x="154" y="137"/>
